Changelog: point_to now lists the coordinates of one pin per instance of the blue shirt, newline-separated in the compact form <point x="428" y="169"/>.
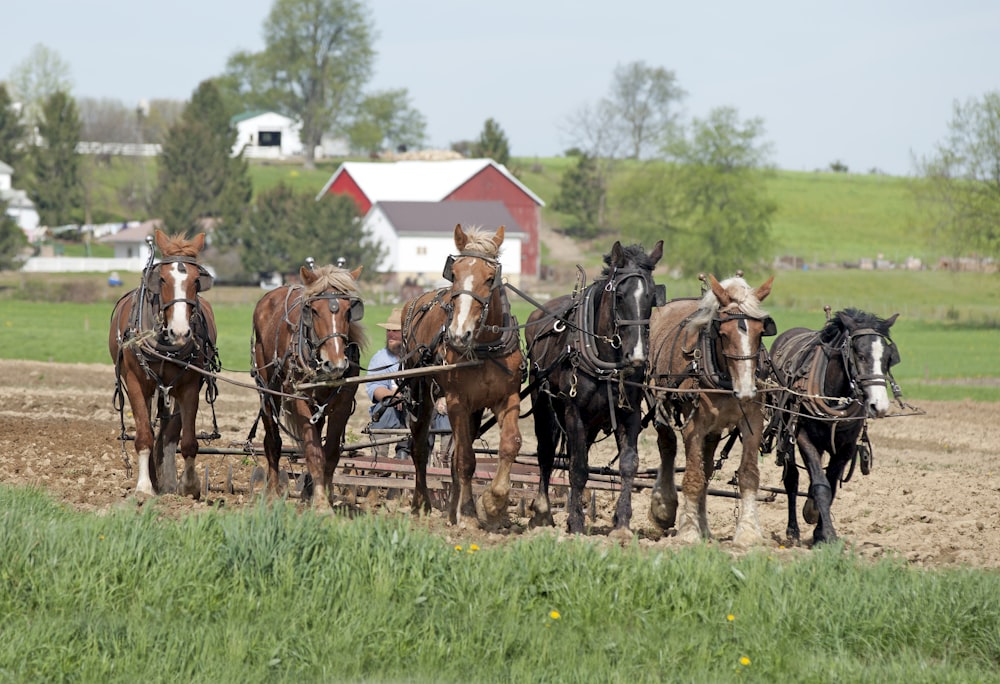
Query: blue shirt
<point x="383" y="361"/>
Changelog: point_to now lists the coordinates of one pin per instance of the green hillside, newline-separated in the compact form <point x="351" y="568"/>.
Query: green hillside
<point x="823" y="218"/>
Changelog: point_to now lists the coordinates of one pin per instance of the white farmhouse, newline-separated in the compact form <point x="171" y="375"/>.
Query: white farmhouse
<point x="264" y="134"/>
<point x="19" y="205"/>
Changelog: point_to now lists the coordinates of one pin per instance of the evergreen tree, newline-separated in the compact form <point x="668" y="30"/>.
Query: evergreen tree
<point x="55" y="185"/>
<point x="285" y="227"/>
<point x="492" y="143"/>
<point x="581" y="194"/>
<point x="13" y="145"/>
<point x="12" y="239"/>
<point x="199" y="178"/>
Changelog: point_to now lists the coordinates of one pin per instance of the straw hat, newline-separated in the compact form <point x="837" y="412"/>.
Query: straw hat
<point x="395" y="321"/>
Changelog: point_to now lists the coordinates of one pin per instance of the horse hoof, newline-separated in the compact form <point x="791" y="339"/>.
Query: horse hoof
<point x="663" y="513"/>
<point x="809" y="512"/>
<point x="745" y="538"/>
<point x="621" y="534"/>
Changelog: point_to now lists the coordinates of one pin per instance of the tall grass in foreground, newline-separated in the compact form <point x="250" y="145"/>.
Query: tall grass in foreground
<point x="269" y="594"/>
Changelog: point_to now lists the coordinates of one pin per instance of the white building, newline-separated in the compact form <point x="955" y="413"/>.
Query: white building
<point x="19" y="205"/>
<point x="264" y="134"/>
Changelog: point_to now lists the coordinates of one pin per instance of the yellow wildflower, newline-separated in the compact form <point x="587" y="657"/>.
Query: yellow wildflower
<point x="555" y="615"/>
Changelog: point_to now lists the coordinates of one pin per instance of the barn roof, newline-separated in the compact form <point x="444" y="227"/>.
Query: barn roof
<point x="417" y="180"/>
<point x="441" y="217"/>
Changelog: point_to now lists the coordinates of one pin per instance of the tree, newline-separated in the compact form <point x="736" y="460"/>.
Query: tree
<point x="581" y="196"/>
<point x="55" y="184"/>
<point x="386" y="119"/>
<point x="42" y="74"/>
<point x="13" y="143"/>
<point x="199" y="178"/>
<point x="959" y="184"/>
<point x="643" y="97"/>
<point x="285" y="227"/>
<point x="12" y="239"/>
<point x="317" y="57"/>
<point x="637" y="114"/>
<point x="492" y="143"/>
<point x="709" y="201"/>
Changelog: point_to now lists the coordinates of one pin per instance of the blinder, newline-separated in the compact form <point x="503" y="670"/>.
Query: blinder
<point x="660" y="295"/>
<point x="893" y="352"/>
<point x="448" y="273"/>
<point x="770" y="328"/>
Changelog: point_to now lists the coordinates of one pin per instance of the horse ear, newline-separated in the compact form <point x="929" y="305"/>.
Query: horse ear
<point x="889" y="321"/>
<point x="198" y="242"/>
<point x="356" y="273"/>
<point x="461" y="239"/>
<point x="617" y="254"/>
<point x="764" y="290"/>
<point x="498" y="237"/>
<point x="846" y="321"/>
<point x="657" y="252"/>
<point x="719" y="291"/>
<point x="307" y="274"/>
<point x="161" y="240"/>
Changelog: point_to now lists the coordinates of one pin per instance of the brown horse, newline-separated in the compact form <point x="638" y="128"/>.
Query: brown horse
<point x="704" y="363"/>
<point x="469" y="325"/>
<point x="162" y="334"/>
<point x="305" y="338"/>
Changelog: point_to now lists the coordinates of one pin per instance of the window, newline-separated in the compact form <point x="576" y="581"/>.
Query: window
<point x="269" y="139"/>
<point x="421" y="251"/>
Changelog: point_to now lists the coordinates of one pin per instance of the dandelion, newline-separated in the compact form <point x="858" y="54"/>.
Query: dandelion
<point x="458" y="547"/>
<point x="744" y="661"/>
<point x="100" y="537"/>
<point x="474" y="547"/>
<point x="730" y="617"/>
<point x="555" y="615"/>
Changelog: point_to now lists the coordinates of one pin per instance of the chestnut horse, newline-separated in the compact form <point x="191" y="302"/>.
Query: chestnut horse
<point x="467" y="326"/>
<point x="706" y="354"/>
<point x="587" y="357"/>
<point x="834" y="380"/>
<point x="306" y="338"/>
<point x="162" y="334"/>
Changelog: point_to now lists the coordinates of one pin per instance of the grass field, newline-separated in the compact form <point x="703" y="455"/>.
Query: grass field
<point x="270" y="595"/>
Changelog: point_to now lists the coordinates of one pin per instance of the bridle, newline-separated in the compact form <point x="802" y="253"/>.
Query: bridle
<point x="851" y="359"/>
<point x="741" y="319"/>
<point x="494" y="280"/>
<point x="309" y="342"/>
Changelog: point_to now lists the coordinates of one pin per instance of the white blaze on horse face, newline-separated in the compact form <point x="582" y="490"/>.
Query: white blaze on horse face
<point x="179" y="323"/>
<point x="744" y="383"/>
<point x="638" y="354"/>
<point x="876" y="396"/>
<point x="464" y="323"/>
<point x="340" y="364"/>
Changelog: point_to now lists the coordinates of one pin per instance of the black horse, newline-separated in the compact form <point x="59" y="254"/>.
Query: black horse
<point x="587" y="361"/>
<point x="833" y="381"/>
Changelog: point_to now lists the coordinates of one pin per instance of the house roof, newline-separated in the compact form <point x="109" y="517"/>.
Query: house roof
<point x="5" y="168"/>
<point x="136" y="233"/>
<point x="441" y="217"/>
<point x="417" y="180"/>
<point x="253" y="114"/>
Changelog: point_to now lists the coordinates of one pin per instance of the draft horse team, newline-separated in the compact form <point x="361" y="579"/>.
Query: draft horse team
<point x="607" y="359"/>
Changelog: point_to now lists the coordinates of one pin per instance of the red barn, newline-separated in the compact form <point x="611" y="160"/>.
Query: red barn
<point x="443" y="181"/>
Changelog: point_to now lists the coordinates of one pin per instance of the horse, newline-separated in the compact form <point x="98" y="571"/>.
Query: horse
<point x="307" y="339"/>
<point x="467" y="327"/>
<point x="163" y="344"/>
<point x="834" y="380"/>
<point x="706" y="354"/>
<point x="587" y="363"/>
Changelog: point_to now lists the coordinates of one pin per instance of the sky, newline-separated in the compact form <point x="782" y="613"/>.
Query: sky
<point x="869" y="83"/>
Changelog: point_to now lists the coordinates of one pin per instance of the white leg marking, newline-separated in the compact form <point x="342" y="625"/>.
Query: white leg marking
<point x="144" y="485"/>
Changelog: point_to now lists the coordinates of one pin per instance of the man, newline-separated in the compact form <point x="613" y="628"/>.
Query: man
<point x="385" y="411"/>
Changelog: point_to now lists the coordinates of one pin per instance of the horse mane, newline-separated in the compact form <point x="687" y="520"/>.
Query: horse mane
<point x="481" y="241"/>
<point x="835" y="329"/>
<point x="331" y="277"/>
<point x="633" y="254"/>
<point x="179" y="245"/>
<point x="744" y="301"/>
